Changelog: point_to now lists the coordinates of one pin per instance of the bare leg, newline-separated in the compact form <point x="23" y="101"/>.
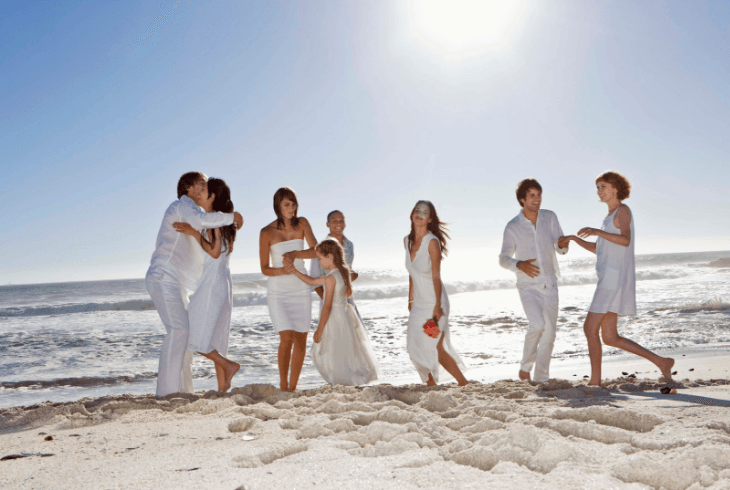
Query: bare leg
<point x="285" y="345"/>
<point x="449" y="364"/>
<point x="611" y="337"/>
<point x="297" y="359"/>
<point x="430" y="381"/>
<point x="220" y="375"/>
<point x="230" y="368"/>
<point x="591" y="328"/>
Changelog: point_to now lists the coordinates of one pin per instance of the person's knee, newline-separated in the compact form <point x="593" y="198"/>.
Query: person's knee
<point x="610" y="339"/>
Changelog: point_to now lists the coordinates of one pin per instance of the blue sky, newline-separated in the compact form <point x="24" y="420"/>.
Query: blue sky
<point x="361" y="106"/>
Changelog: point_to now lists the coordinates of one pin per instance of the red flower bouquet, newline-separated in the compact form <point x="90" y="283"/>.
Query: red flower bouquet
<point x="431" y="328"/>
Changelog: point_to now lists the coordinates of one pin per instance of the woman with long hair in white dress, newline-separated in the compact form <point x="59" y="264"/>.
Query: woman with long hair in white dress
<point x="209" y="312"/>
<point x="288" y="298"/>
<point x="428" y="346"/>
<point x="616" y="289"/>
<point x="341" y="351"/>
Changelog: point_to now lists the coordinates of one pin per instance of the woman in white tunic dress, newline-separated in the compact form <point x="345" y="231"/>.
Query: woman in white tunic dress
<point x="616" y="289"/>
<point x="289" y="299"/>
<point x="209" y="312"/>
<point x="425" y="247"/>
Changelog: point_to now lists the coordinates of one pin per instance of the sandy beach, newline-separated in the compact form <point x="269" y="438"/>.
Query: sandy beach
<point x="506" y="433"/>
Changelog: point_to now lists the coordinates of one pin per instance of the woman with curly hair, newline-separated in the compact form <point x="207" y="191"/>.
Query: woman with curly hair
<point x="616" y="289"/>
<point x="428" y="340"/>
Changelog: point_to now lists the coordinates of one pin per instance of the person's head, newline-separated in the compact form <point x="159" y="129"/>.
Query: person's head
<point x="191" y="184"/>
<point x="612" y="184"/>
<point x="424" y="213"/>
<point x="529" y="190"/>
<point x="331" y="255"/>
<point x="218" y="199"/>
<point x="336" y="223"/>
<point x="285" y="207"/>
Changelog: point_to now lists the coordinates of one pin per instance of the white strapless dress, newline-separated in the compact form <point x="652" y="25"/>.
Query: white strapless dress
<point x="289" y="299"/>
<point x="343" y="355"/>
<point x="209" y="312"/>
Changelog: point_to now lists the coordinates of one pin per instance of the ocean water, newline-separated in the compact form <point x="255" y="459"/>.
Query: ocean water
<point x="66" y="341"/>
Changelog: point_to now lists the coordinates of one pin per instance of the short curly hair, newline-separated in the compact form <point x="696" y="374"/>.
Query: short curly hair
<point x="524" y="186"/>
<point x="618" y="181"/>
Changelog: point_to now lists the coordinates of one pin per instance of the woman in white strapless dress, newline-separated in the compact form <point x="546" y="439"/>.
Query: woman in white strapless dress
<point x="341" y="351"/>
<point x="209" y="311"/>
<point x="425" y="247"/>
<point x="616" y="289"/>
<point x="289" y="300"/>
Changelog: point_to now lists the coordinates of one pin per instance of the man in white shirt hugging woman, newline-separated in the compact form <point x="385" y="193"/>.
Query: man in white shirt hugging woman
<point x="175" y="268"/>
<point x="528" y="248"/>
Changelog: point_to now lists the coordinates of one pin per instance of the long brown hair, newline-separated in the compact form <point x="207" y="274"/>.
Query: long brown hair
<point x="279" y="196"/>
<point x="333" y="247"/>
<point x="222" y="203"/>
<point x="436" y="226"/>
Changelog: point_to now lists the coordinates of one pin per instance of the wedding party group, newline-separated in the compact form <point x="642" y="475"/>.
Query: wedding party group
<point x="189" y="281"/>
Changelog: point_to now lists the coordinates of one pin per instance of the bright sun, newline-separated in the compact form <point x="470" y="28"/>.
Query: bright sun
<point x="464" y="27"/>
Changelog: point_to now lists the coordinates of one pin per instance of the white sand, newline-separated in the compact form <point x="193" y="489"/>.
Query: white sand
<point x="505" y="434"/>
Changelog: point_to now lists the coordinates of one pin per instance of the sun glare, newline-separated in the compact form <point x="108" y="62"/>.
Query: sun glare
<point x="461" y="28"/>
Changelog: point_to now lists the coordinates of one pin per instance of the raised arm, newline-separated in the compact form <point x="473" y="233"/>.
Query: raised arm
<point x="310" y="281"/>
<point x="214" y="249"/>
<point x="434" y="251"/>
<point x="623" y="216"/>
<point x="201" y="220"/>
<point x="329" y="295"/>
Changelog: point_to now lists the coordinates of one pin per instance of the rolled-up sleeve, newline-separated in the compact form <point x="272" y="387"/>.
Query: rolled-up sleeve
<point x="557" y="232"/>
<point x="509" y="246"/>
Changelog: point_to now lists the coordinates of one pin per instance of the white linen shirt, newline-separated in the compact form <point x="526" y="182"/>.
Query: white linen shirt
<point x="178" y="255"/>
<point x="525" y="241"/>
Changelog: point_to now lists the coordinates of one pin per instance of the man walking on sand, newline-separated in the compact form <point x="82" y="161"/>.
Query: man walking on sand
<point x="176" y="266"/>
<point x="528" y="249"/>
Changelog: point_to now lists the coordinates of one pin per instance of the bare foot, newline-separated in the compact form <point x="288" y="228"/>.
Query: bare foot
<point x="464" y="383"/>
<point x="231" y="369"/>
<point x="594" y="383"/>
<point x="284" y="386"/>
<point x="430" y="381"/>
<point x="666" y="366"/>
<point x="524" y="375"/>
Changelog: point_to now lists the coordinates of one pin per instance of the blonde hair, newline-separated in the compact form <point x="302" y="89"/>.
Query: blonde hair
<point x="333" y="248"/>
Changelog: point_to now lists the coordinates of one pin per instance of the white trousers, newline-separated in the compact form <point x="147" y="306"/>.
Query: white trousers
<point x="541" y="307"/>
<point x="171" y="300"/>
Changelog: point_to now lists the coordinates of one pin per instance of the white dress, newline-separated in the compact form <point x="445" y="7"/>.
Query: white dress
<point x="289" y="299"/>
<point x="422" y="348"/>
<point x="343" y="355"/>
<point x="616" y="288"/>
<point x="209" y="312"/>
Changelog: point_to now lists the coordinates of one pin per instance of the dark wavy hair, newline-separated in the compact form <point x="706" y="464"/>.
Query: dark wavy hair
<point x="524" y="186"/>
<point x="279" y="196"/>
<point x="187" y="181"/>
<point x="436" y="226"/>
<point x="618" y="181"/>
<point x="222" y="202"/>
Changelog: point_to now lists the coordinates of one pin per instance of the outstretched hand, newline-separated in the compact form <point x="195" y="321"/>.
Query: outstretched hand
<point x="289" y="269"/>
<point x="528" y="267"/>
<point x="563" y="241"/>
<point x="184" y="228"/>
<point x="586" y="232"/>
<point x="288" y="259"/>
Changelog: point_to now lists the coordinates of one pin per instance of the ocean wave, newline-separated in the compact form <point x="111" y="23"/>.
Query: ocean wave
<point x="130" y="305"/>
<point x="85" y="382"/>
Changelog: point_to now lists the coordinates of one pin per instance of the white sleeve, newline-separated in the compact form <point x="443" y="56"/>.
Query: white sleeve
<point x="509" y="247"/>
<point x="557" y="232"/>
<point x="204" y="221"/>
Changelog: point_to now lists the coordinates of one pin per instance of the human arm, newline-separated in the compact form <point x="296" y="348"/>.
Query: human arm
<point x="310" y="281"/>
<point x="329" y="282"/>
<point x="311" y="241"/>
<point x="410" y="292"/>
<point x="201" y="220"/>
<point x="506" y="260"/>
<point x="434" y="251"/>
<point x="213" y="249"/>
<point x="560" y="241"/>
<point x="623" y="216"/>
<point x="590" y="246"/>
<point x="264" y="247"/>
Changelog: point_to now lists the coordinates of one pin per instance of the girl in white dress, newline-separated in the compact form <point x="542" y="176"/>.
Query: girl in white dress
<point x="616" y="289"/>
<point x="209" y="311"/>
<point x="425" y="247"/>
<point x="289" y="300"/>
<point x="341" y="351"/>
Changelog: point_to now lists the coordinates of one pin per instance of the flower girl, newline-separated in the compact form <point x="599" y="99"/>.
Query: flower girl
<point x="341" y="351"/>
